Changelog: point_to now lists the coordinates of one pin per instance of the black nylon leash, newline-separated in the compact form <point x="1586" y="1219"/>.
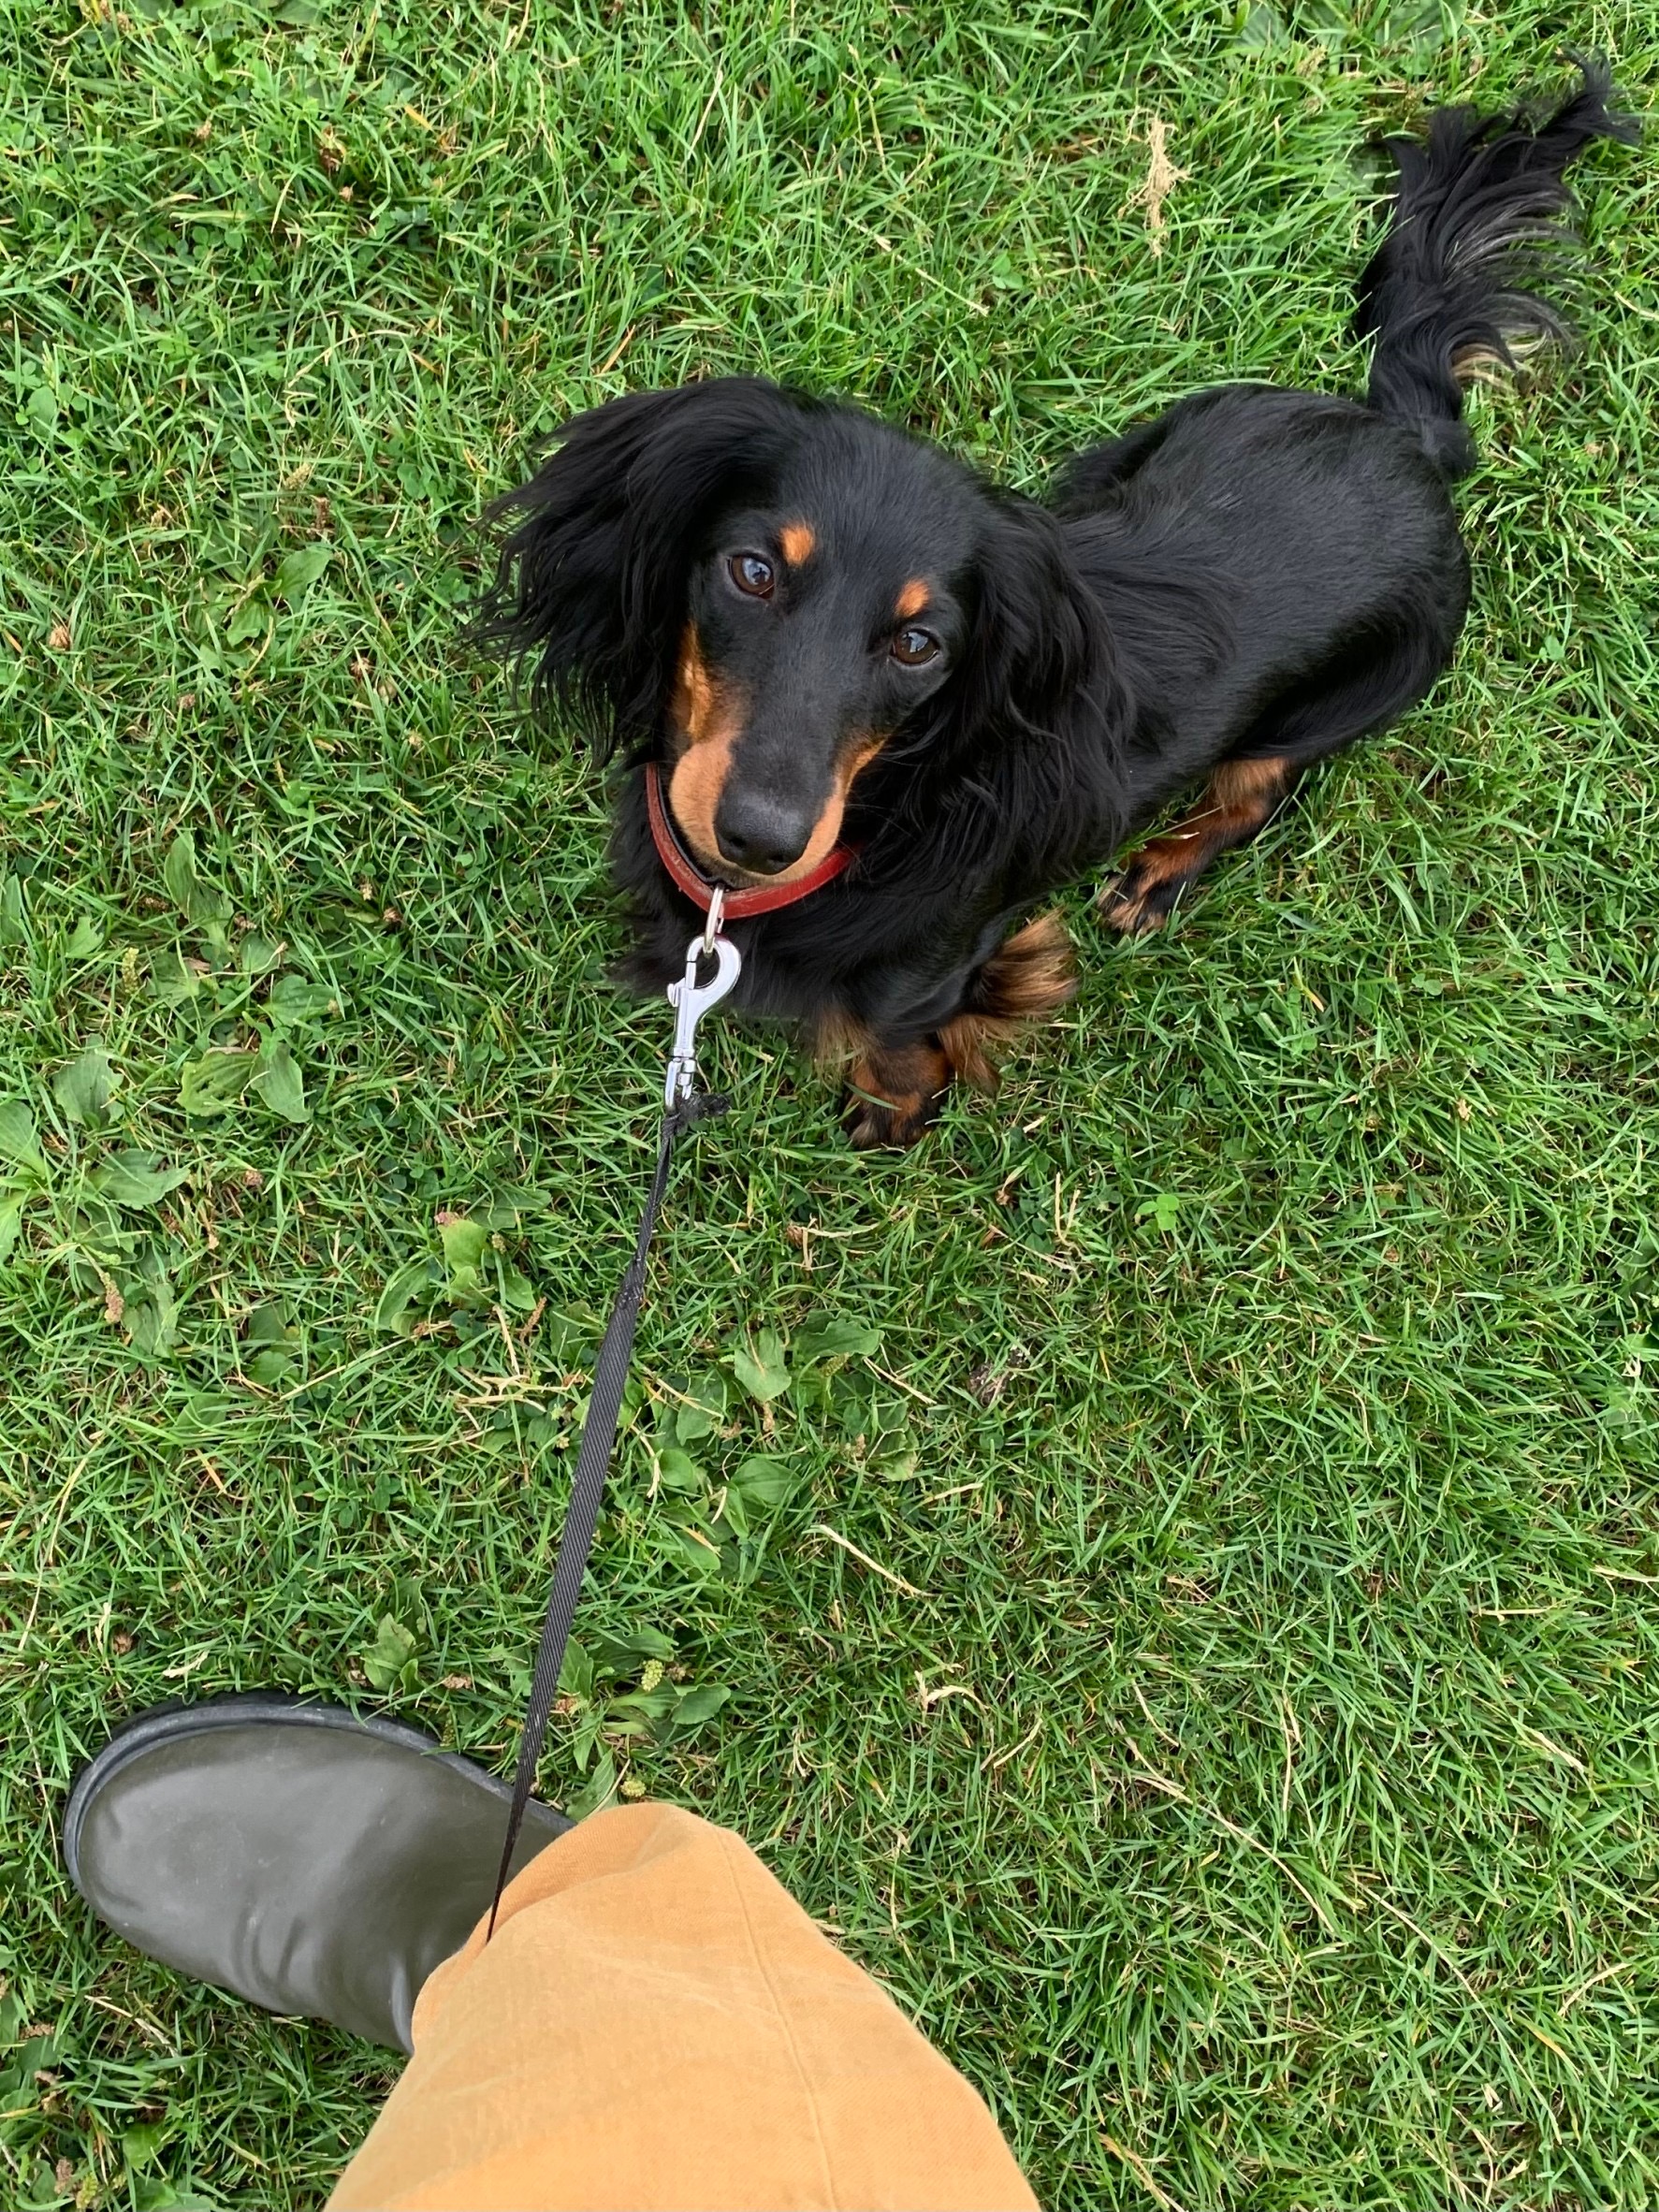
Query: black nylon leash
<point x="683" y="1108"/>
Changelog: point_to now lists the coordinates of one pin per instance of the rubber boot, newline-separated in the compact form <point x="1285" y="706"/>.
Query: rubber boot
<point x="312" y="1862"/>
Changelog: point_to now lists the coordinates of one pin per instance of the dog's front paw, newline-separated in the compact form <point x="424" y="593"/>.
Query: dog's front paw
<point x="873" y="1124"/>
<point x="892" y="1094"/>
<point x="1143" y="896"/>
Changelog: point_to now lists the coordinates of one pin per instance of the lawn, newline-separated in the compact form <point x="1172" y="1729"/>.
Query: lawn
<point x="1169" y="1570"/>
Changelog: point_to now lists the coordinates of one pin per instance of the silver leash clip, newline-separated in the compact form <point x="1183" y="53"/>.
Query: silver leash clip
<point x="690" y="1000"/>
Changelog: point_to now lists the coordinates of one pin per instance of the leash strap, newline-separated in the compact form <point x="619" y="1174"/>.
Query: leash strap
<point x="594" y="1458"/>
<point x="684" y="1106"/>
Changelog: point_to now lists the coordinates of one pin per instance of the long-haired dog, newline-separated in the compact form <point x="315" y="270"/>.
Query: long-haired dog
<point x="816" y="639"/>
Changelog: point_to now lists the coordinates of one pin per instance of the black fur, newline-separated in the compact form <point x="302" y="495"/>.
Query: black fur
<point x="1477" y="222"/>
<point x="1260" y="575"/>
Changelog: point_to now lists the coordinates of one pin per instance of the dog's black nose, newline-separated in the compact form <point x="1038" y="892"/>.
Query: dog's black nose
<point x="761" y="835"/>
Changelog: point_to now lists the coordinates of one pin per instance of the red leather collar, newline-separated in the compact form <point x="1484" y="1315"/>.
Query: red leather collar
<point x="764" y="898"/>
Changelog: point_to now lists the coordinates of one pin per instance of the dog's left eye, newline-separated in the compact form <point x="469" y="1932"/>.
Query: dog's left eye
<point x="914" y="647"/>
<point x="752" y="575"/>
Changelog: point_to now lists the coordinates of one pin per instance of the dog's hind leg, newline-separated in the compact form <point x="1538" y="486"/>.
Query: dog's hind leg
<point x="1365" y="682"/>
<point x="1239" y="800"/>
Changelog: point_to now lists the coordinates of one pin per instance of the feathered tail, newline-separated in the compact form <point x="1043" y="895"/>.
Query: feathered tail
<point x="1482" y="211"/>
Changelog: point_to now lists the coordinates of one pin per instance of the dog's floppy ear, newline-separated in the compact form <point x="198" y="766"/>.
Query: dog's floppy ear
<point x="1022" y="719"/>
<point x="1039" y="652"/>
<point x="590" y="587"/>
<point x="1038" y="641"/>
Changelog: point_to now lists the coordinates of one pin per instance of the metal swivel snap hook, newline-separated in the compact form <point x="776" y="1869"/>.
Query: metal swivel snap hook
<point x="691" y="1000"/>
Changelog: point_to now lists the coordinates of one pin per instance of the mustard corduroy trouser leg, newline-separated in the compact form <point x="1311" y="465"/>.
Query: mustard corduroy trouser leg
<point x="657" y="2025"/>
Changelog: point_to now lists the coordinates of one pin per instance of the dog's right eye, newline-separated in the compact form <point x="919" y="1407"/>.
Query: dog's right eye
<point x="752" y="575"/>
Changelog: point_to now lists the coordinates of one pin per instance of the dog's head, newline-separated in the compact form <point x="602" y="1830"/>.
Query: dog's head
<point x="769" y="592"/>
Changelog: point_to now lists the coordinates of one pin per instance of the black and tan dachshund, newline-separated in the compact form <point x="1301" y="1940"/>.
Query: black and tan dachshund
<point x="854" y="668"/>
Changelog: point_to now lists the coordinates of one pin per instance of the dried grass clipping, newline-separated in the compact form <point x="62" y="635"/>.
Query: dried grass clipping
<point x="1162" y="177"/>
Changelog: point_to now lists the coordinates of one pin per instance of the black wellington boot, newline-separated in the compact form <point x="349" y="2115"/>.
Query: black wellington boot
<point x="312" y="1862"/>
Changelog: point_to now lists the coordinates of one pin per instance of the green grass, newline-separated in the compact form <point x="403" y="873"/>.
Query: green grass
<point x="1245" y="1766"/>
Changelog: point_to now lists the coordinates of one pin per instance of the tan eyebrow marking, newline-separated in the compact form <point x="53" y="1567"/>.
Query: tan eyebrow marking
<point x="798" y="541"/>
<point x="911" y="599"/>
